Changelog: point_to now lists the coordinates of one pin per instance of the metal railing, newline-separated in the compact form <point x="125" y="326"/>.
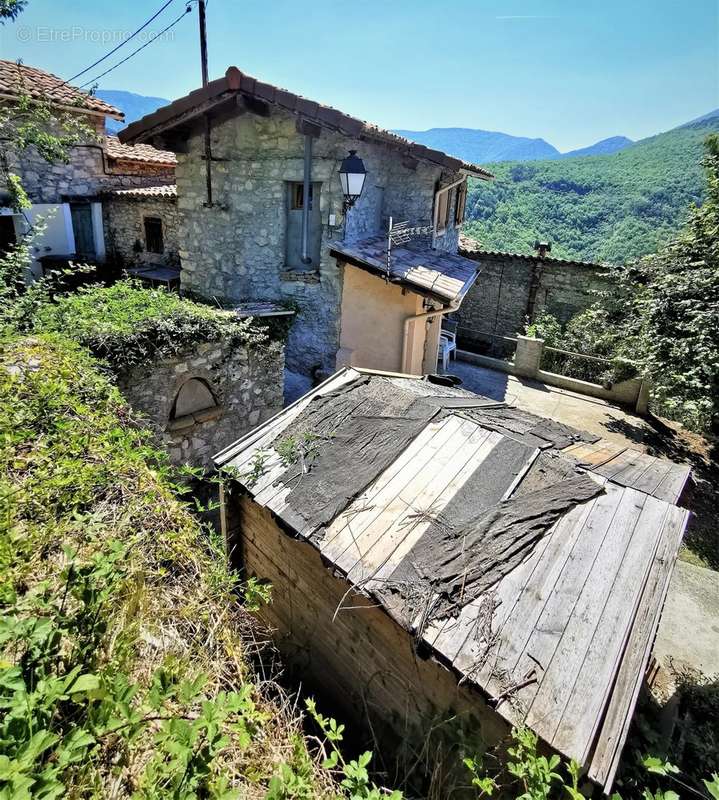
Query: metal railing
<point x="485" y="343"/>
<point x="583" y="367"/>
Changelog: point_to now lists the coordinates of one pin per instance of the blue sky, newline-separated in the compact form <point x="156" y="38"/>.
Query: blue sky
<point x="570" y="71"/>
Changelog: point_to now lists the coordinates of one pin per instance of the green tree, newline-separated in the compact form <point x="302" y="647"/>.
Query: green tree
<point x="671" y="307"/>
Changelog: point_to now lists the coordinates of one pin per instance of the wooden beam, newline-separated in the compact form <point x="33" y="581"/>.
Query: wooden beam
<point x="307" y="128"/>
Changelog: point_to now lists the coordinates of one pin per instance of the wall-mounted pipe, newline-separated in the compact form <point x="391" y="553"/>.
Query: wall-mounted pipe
<point x="441" y="312"/>
<point x="306" y="186"/>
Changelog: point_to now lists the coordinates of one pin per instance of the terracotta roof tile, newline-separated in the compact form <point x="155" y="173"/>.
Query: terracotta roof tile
<point x="139" y="152"/>
<point x="168" y="192"/>
<point x="250" y="87"/>
<point x="17" y="79"/>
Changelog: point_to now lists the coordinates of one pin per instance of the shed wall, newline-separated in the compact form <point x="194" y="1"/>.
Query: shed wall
<point x="359" y="658"/>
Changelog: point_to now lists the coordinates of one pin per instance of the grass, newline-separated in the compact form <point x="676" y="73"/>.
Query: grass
<point x="125" y="657"/>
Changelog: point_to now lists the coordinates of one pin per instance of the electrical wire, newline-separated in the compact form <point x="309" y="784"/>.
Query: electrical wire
<point x="122" y="43"/>
<point x="135" y="52"/>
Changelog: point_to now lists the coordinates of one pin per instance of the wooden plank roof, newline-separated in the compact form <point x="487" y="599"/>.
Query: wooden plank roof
<point x="441" y="275"/>
<point x="560" y="640"/>
<point x="236" y="83"/>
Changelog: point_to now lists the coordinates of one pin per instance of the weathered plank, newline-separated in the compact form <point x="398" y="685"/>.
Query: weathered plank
<point x="591" y="625"/>
<point x="342" y="534"/>
<point x="635" y="657"/>
<point x="379" y="540"/>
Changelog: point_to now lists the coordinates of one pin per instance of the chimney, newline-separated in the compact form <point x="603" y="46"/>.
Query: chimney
<point x="542" y="248"/>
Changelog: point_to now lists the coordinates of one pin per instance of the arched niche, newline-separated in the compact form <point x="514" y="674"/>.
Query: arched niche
<point x="194" y="395"/>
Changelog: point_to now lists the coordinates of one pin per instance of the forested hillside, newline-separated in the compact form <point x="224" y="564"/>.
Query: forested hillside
<point x="606" y="208"/>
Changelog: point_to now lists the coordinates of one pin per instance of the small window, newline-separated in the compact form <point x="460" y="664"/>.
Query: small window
<point x="460" y="204"/>
<point x="153" y="235"/>
<point x="194" y="395"/>
<point x="441" y="211"/>
<point x="297" y="196"/>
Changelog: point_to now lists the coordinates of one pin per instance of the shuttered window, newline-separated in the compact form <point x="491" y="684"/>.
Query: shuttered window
<point x="441" y="211"/>
<point x="460" y="204"/>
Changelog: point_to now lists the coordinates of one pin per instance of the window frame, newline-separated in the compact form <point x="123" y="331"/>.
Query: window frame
<point x="460" y="203"/>
<point x="148" y="249"/>
<point x="439" y="231"/>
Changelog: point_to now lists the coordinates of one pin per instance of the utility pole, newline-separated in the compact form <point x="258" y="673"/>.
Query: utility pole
<point x="203" y="60"/>
<point x="203" y="40"/>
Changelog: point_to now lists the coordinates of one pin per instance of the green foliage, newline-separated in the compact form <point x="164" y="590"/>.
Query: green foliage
<point x="592" y="332"/>
<point x="535" y="773"/>
<point x="9" y="9"/>
<point x="608" y="208"/>
<point x="125" y="324"/>
<point x="355" y="778"/>
<point x="121" y="651"/>
<point x="256" y="593"/>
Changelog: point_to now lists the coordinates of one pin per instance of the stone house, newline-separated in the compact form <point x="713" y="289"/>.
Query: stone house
<point x="71" y="199"/>
<point x="248" y="155"/>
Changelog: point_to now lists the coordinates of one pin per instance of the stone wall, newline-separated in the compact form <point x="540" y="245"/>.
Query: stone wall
<point x="511" y="288"/>
<point x="124" y="219"/>
<point x="236" y="250"/>
<point x="87" y="172"/>
<point x="246" y="384"/>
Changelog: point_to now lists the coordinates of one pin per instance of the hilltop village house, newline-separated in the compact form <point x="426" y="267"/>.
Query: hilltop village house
<point x="88" y="205"/>
<point x="263" y="216"/>
<point x="442" y="561"/>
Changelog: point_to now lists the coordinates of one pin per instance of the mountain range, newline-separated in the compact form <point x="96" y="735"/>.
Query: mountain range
<point x="612" y="201"/>
<point x="481" y="146"/>
<point x="132" y="105"/>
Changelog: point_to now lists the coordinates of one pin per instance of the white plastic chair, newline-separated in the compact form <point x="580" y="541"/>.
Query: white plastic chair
<point x="447" y="346"/>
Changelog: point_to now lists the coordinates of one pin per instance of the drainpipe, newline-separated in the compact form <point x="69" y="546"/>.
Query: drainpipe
<point x="306" y="258"/>
<point x="427" y="315"/>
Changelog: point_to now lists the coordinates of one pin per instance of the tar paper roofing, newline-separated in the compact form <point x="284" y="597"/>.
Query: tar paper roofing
<point x="236" y="83"/>
<point x="443" y="276"/>
<point x="145" y="153"/>
<point x="488" y="533"/>
<point x="19" y="79"/>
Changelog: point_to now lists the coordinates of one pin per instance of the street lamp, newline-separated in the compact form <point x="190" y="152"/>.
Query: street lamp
<point x="352" y="178"/>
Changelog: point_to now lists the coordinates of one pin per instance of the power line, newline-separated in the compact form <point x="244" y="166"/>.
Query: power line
<point x="135" y="52"/>
<point x="122" y="43"/>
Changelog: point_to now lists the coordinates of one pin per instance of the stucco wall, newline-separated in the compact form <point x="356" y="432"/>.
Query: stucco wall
<point x="236" y="250"/>
<point x="373" y="315"/>
<point x="246" y="383"/>
<point x="499" y="301"/>
<point x="125" y="229"/>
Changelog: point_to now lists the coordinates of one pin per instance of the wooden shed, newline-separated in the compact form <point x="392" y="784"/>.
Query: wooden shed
<point x="434" y="555"/>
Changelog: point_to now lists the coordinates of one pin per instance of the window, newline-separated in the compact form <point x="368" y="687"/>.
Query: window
<point x="460" y="203"/>
<point x="194" y="395"/>
<point x="7" y="233"/>
<point x="297" y="196"/>
<point x="441" y="211"/>
<point x="153" y="235"/>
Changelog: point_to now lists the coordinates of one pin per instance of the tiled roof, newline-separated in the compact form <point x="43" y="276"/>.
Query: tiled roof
<point x="168" y="192"/>
<point x="236" y="82"/>
<point x="17" y="79"/>
<point x="145" y="153"/>
<point x="473" y="249"/>
<point x="444" y="276"/>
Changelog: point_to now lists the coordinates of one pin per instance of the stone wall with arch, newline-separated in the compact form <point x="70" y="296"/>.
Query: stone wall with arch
<point x="204" y="398"/>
